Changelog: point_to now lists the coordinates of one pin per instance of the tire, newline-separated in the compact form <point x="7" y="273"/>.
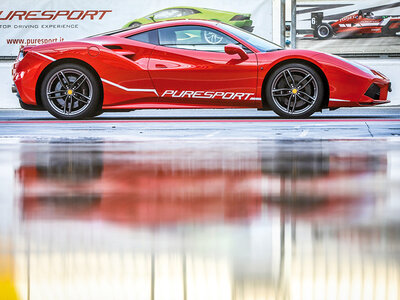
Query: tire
<point x="97" y="113"/>
<point x="71" y="92"/>
<point x="324" y="31"/>
<point x="294" y="91"/>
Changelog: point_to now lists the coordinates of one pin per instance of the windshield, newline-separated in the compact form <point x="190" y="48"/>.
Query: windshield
<point x="257" y="42"/>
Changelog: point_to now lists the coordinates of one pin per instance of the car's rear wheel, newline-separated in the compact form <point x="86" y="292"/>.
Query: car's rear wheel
<point x="70" y="91"/>
<point x="324" y="31"/>
<point x="294" y="91"/>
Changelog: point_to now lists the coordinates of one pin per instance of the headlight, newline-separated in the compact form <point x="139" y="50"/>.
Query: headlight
<point x="240" y="18"/>
<point x="361" y="67"/>
<point x="354" y="64"/>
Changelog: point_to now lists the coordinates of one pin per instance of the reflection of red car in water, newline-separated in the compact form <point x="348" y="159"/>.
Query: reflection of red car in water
<point x="66" y="185"/>
<point x="362" y="22"/>
<point x="136" y="190"/>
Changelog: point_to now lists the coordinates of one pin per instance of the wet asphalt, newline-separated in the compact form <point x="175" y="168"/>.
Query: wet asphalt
<point x="200" y="204"/>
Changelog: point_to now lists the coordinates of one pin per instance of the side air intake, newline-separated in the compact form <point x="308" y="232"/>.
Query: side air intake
<point x="374" y="92"/>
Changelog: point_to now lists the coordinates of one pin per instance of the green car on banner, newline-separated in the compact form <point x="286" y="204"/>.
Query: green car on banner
<point x="174" y="13"/>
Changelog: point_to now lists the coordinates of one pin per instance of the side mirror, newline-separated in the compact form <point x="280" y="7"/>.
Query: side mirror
<point x="152" y="18"/>
<point x="232" y="49"/>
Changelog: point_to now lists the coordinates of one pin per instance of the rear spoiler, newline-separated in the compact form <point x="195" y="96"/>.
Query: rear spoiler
<point x="316" y="19"/>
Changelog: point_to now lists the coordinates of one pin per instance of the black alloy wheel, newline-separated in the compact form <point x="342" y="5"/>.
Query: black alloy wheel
<point x="71" y="91"/>
<point x="294" y="91"/>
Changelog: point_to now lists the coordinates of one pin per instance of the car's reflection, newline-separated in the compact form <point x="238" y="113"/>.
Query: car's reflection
<point x="147" y="186"/>
<point x="228" y="220"/>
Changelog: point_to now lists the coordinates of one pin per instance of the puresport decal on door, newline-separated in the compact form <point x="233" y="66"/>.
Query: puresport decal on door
<point x="209" y="95"/>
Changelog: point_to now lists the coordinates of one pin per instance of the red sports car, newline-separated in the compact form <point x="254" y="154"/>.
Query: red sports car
<point x="362" y="22"/>
<point x="188" y="64"/>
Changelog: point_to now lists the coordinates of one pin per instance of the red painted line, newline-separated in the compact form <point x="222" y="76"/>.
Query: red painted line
<point x="201" y="121"/>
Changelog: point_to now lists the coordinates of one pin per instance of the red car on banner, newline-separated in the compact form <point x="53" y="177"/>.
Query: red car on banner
<point x="362" y="22"/>
<point x="188" y="64"/>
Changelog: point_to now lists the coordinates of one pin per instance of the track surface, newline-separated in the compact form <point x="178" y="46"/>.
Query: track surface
<point x="201" y="204"/>
<point x="238" y="124"/>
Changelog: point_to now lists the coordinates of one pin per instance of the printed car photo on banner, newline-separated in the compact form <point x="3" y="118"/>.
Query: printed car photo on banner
<point x="349" y="27"/>
<point x="29" y="22"/>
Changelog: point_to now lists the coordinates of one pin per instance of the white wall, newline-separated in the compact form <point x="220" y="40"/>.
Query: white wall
<point x="7" y="98"/>
<point x="110" y="15"/>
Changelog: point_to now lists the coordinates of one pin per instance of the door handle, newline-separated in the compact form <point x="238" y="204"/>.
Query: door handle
<point x="161" y="66"/>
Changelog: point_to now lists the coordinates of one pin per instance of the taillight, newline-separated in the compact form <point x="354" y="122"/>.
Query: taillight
<point x="240" y="18"/>
<point x="21" y="53"/>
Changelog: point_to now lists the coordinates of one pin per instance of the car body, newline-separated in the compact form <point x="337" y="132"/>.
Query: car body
<point x="362" y="22"/>
<point x="184" y="12"/>
<point x="188" y="64"/>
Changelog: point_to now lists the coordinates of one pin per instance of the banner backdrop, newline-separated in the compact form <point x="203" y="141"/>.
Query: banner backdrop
<point x="37" y="22"/>
<point x="349" y="27"/>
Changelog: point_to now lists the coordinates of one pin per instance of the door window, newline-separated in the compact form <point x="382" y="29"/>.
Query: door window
<point x="195" y="38"/>
<point x="174" y="13"/>
<point x="168" y="13"/>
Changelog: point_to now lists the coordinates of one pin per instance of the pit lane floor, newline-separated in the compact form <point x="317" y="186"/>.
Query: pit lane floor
<point x="224" y="205"/>
<point x="187" y="124"/>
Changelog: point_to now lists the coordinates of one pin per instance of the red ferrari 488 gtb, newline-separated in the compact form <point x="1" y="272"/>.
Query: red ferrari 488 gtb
<point x="188" y="64"/>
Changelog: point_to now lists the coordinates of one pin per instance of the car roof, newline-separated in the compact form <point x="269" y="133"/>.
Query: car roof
<point x="162" y="24"/>
<point x="190" y="7"/>
<point x="126" y="32"/>
<point x="199" y="8"/>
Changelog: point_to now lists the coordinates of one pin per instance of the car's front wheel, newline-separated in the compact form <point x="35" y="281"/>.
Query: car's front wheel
<point x="294" y="91"/>
<point x="70" y="91"/>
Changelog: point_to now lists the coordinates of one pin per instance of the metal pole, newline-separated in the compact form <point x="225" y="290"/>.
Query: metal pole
<point x="293" y="25"/>
<point x="283" y="21"/>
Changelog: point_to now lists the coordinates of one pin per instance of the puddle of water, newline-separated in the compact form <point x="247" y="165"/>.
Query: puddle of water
<point x="255" y="219"/>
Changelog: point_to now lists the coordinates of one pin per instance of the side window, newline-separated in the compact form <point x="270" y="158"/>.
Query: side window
<point x="189" y="11"/>
<point x="195" y="38"/>
<point x="168" y="13"/>
<point x="149" y="37"/>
